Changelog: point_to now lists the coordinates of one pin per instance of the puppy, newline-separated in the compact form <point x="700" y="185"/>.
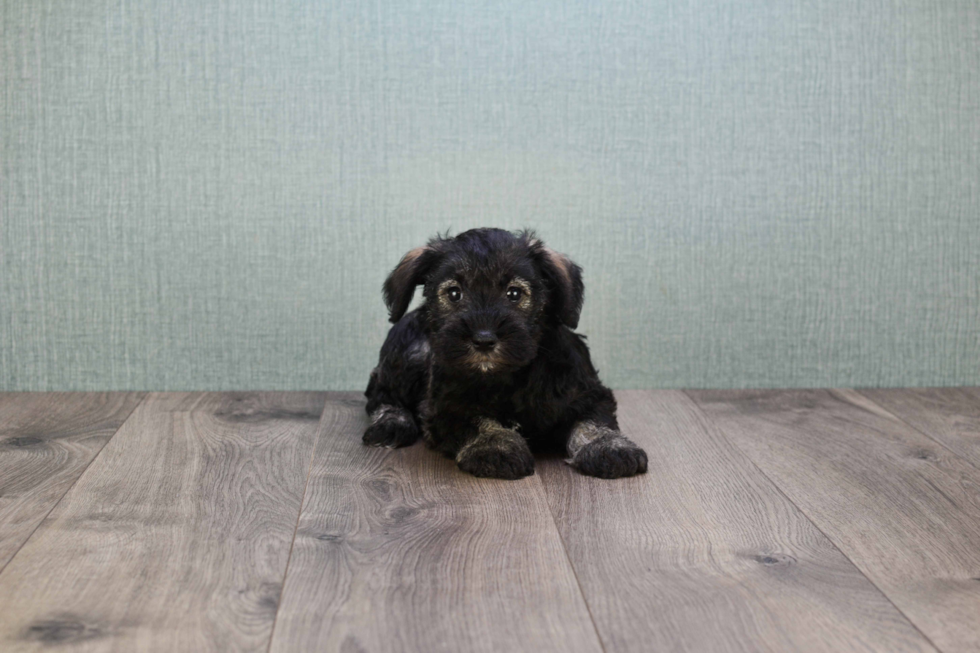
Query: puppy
<point x="488" y="367"/>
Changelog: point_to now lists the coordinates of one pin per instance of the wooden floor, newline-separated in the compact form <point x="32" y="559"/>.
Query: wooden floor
<point x="797" y="520"/>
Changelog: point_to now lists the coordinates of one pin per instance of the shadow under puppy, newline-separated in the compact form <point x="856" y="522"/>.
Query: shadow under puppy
<point x="488" y="367"/>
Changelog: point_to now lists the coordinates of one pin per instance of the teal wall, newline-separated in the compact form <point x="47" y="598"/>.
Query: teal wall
<point x="208" y="194"/>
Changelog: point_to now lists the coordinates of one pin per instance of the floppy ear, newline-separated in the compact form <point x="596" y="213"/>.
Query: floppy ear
<point x="564" y="280"/>
<point x="399" y="287"/>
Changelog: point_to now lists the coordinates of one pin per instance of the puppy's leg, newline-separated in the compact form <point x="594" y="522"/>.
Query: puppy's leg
<point x="397" y="385"/>
<point x="391" y="426"/>
<point x="596" y="449"/>
<point x="495" y="451"/>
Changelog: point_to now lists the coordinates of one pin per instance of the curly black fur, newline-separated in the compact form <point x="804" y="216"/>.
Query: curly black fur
<point x="488" y="368"/>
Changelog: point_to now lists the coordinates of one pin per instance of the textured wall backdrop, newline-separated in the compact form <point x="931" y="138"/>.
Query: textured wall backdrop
<point x="209" y="193"/>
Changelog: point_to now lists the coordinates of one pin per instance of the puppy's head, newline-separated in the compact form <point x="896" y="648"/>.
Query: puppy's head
<point x="489" y="295"/>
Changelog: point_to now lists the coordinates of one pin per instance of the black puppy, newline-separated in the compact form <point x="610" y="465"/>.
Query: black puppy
<point x="489" y="364"/>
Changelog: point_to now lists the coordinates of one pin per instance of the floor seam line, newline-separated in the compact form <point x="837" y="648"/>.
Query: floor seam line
<point x="578" y="583"/>
<point x="919" y="431"/>
<point x="809" y="519"/>
<point x="75" y="482"/>
<point x="299" y="516"/>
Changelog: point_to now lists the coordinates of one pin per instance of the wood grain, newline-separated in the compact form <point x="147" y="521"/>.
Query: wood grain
<point x="46" y="441"/>
<point x="176" y="537"/>
<point x="397" y="550"/>
<point x="904" y="509"/>
<point x="703" y="553"/>
<point x="951" y="416"/>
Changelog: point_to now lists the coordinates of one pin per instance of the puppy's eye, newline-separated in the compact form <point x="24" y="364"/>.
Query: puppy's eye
<point x="455" y="294"/>
<point x="514" y="293"/>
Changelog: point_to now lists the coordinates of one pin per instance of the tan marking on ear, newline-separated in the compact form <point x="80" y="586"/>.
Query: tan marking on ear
<point x="412" y="255"/>
<point x="561" y="262"/>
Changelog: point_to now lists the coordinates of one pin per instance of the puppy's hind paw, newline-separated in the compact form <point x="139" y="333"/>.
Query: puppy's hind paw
<point x="392" y="428"/>
<point x="610" y="456"/>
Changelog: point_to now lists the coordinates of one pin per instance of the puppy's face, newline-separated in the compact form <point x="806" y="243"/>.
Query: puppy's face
<point x="489" y="295"/>
<point x="484" y="314"/>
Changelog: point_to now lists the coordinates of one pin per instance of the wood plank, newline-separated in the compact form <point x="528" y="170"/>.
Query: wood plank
<point x="703" y="553"/>
<point x="400" y="551"/>
<point x="47" y="439"/>
<point x="177" y="536"/>
<point x="951" y="416"/>
<point x="905" y="510"/>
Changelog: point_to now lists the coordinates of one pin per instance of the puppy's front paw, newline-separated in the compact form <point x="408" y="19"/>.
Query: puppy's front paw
<point x="611" y="456"/>
<point x="391" y="427"/>
<point x="502" y="456"/>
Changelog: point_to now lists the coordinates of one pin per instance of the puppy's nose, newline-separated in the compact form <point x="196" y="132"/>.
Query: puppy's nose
<point x="484" y="340"/>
